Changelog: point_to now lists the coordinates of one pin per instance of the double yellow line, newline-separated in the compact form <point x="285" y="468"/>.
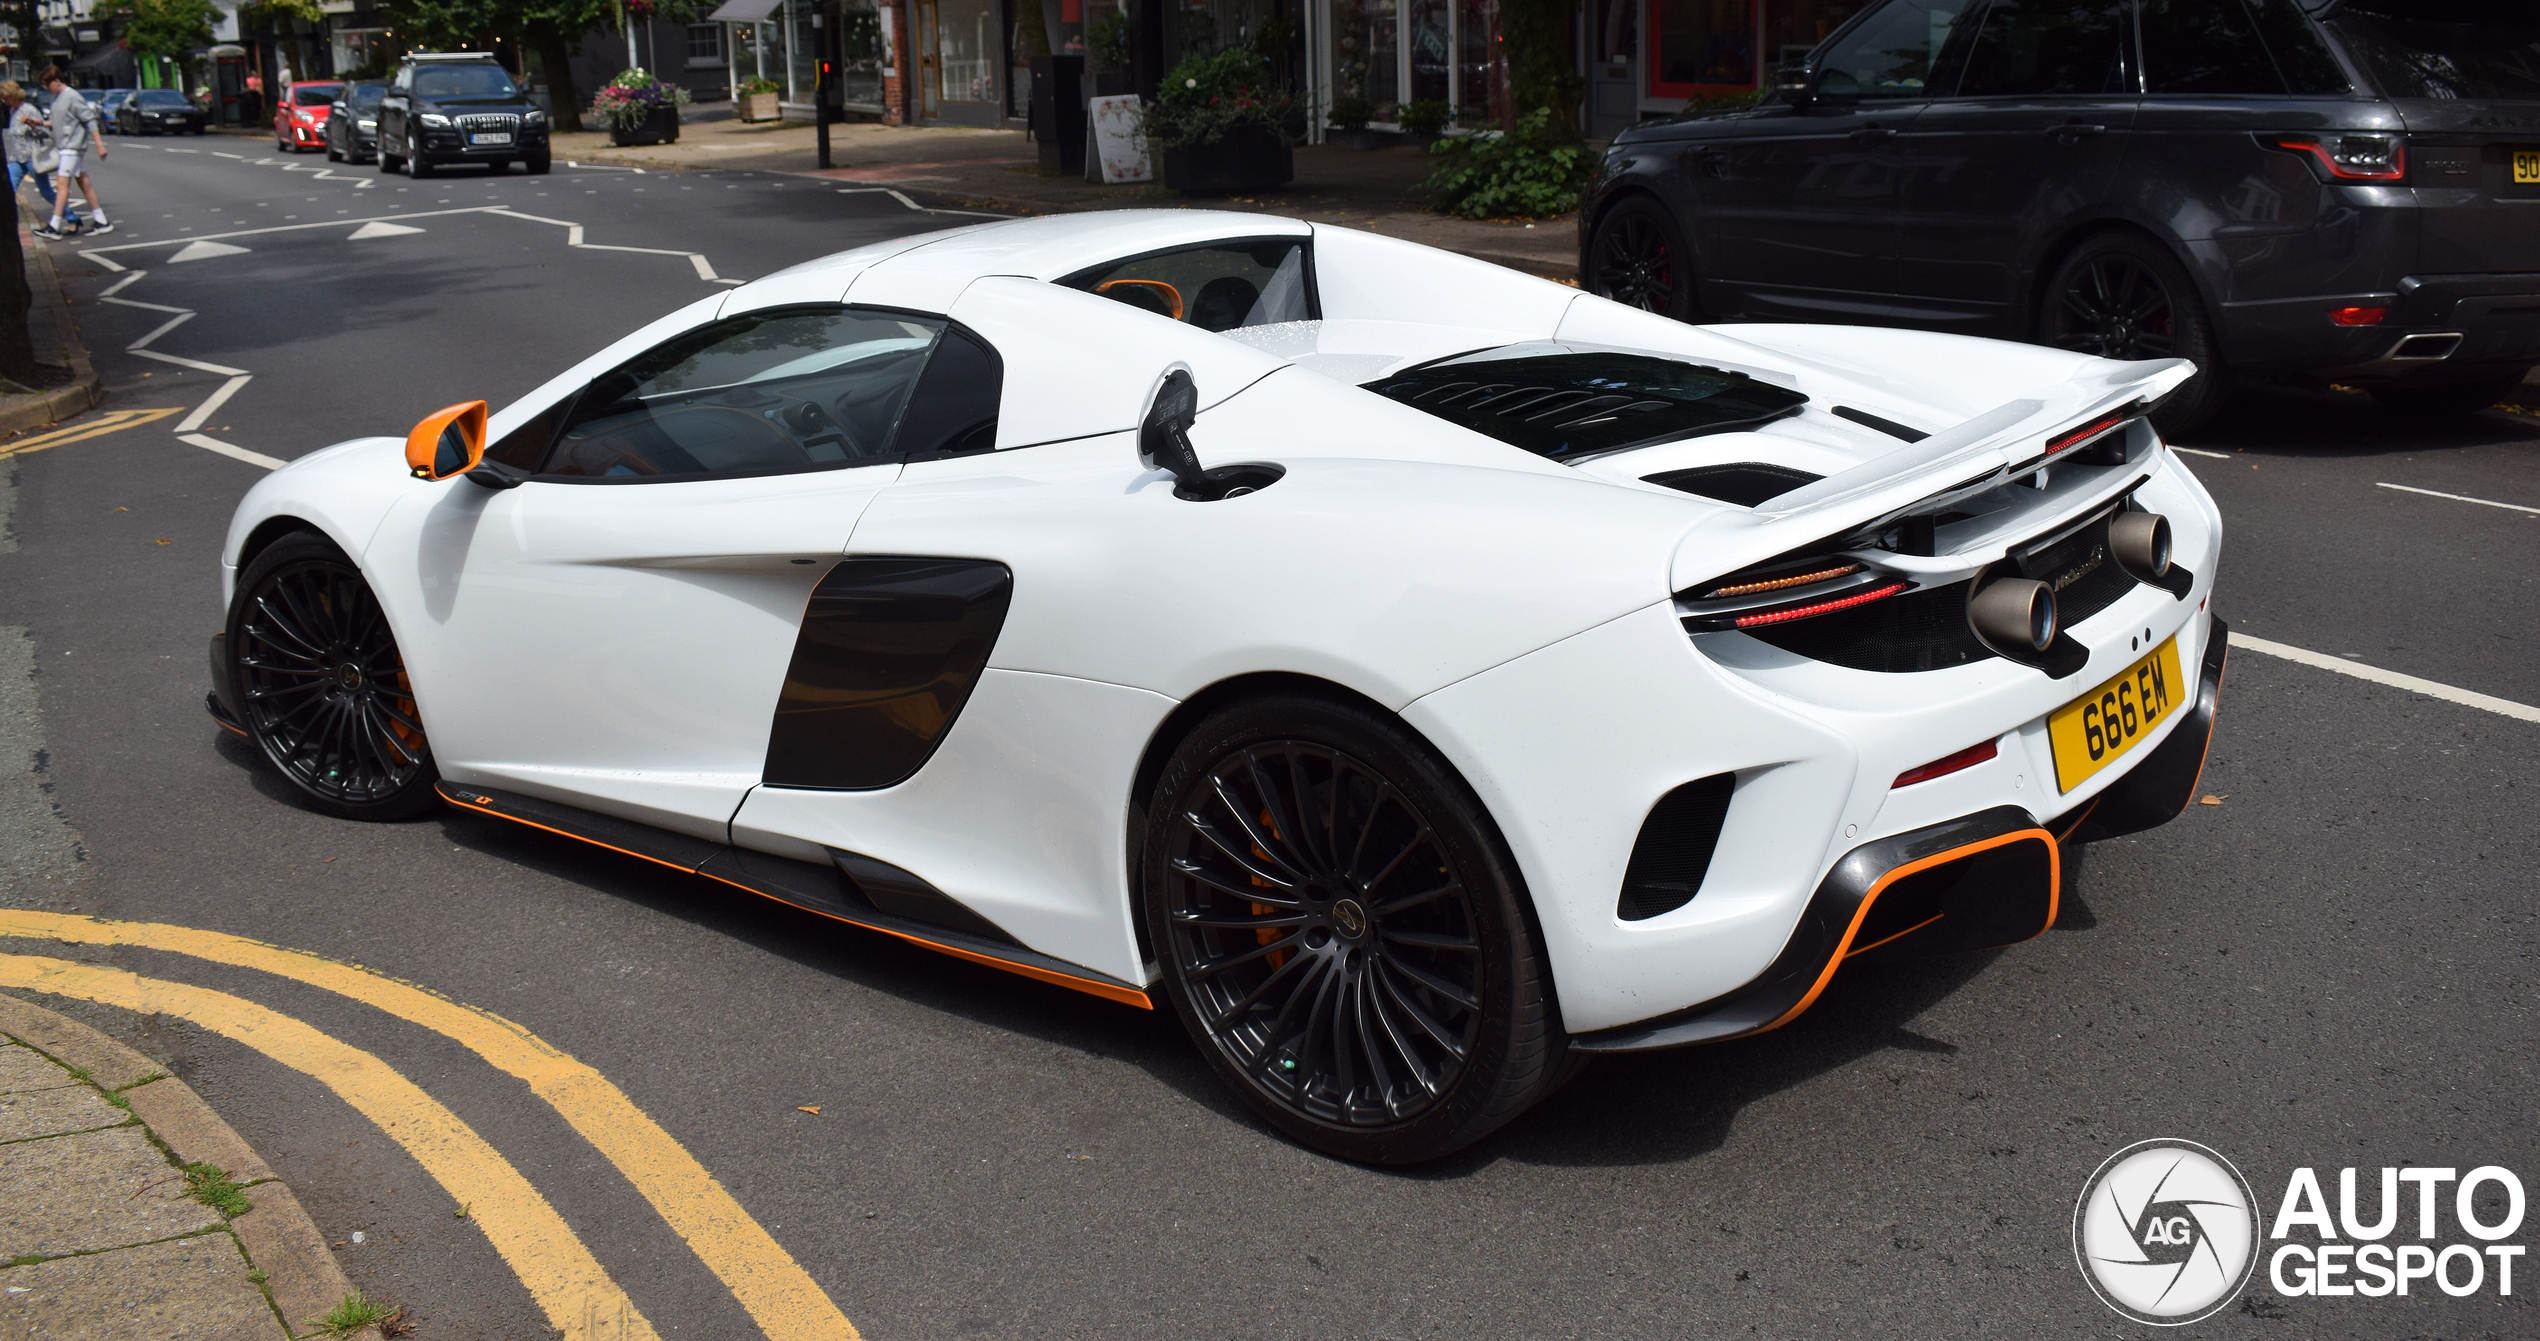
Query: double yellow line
<point x="569" y="1284"/>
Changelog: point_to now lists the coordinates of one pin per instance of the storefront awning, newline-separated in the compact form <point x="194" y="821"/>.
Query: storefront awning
<point x="744" y="11"/>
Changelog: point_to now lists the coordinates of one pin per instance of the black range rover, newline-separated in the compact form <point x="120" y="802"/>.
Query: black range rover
<point x="458" y="107"/>
<point x="2325" y="190"/>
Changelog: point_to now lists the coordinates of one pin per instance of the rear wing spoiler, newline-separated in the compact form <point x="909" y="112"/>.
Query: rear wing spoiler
<point x="2007" y="442"/>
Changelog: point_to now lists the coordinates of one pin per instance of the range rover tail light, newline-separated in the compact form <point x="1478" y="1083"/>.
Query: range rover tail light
<point x="2350" y="157"/>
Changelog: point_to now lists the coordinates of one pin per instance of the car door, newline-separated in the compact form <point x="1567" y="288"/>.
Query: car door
<point x="615" y="632"/>
<point x="394" y="107"/>
<point x="2031" y="137"/>
<point x="1800" y="215"/>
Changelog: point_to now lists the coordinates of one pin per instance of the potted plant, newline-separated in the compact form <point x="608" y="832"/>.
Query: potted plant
<point x="759" y="96"/>
<point x="640" y="109"/>
<point x="1110" y="42"/>
<point x="1423" y="120"/>
<point x="1222" y="126"/>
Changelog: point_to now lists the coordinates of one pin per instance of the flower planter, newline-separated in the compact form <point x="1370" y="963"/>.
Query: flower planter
<point x="662" y="127"/>
<point x="1250" y="158"/>
<point x="761" y="107"/>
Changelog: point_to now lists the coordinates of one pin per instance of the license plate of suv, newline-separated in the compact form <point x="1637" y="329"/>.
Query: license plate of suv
<point x="491" y="137"/>
<point x="2526" y="167"/>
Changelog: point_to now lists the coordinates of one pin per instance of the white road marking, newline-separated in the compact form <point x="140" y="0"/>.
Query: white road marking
<point x="218" y="154"/>
<point x="2198" y="451"/>
<point x="238" y="453"/>
<point x="110" y="265"/>
<point x="218" y="398"/>
<point x="2459" y="498"/>
<point x="195" y="364"/>
<point x="371" y="230"/>
<point x="170" y="324"/>
<point x="922" y="209"/>
<point x="2431" y="689"/>
<point x="204" y="251"/>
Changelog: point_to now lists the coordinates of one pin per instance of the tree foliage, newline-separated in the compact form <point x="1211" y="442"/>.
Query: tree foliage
<point x="1542" y="70"/>
<point x="169" y="28"/>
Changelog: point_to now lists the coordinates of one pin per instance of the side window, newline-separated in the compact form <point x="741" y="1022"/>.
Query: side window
<point x="954" y="409"/>
<point x="2300" y="53"/>
<point x="768" y="393"/>
<point x="2038" y="48"/>
<point x="1903" y="51"/>
<point x="1216" y="288"/>
<point x="2206" y="46"/>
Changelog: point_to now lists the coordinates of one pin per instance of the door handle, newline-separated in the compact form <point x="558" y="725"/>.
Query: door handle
<point x="2074" y="132"/>
<point x="1872" y="134"/>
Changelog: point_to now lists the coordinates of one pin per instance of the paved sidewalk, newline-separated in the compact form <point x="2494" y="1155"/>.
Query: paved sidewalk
<point x="57" y="345"/>
<point x="998" y="170"/>
<point x="132" y="1212"/>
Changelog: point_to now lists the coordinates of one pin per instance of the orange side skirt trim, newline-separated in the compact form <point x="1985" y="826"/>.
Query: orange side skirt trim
<point x="1126" y="996"/>
<point x="1842" y="949"/>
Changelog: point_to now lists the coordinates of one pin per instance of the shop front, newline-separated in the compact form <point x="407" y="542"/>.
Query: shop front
<point x="1657" y="56"/>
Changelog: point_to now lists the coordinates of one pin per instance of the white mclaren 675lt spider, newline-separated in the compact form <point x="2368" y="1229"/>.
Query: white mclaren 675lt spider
<point x="1421" y="676"/>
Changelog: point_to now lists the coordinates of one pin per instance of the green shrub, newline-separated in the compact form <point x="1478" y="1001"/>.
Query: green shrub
<point x="1109" y="41"/>
<point x="1206" y="98"/>
<point x="1424" y="116"/>
<point x="1351" y="111"/>
<point x="1526" y="173"/>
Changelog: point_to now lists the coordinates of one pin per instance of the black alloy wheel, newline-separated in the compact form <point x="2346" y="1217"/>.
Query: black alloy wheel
<point x="321" y="687"/>
<point x="417" y="166"/>
<point x="1638" y="259"/>
<point x="1342" y="931"/>
<point x="2121" y="296"/>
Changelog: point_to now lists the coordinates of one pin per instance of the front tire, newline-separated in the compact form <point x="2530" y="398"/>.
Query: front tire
<point x="2122" y="296"/>
<point x="321" y="687"/>
<point x="538" y="165"/>
<point x="417" y="166"/>
<point x="1638" y="258"/>
<point x="1344" y="933"/>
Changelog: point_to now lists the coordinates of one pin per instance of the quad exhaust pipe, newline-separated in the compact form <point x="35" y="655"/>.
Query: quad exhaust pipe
<point x="2140" y="543"/>
<point x="2013" y="613"/>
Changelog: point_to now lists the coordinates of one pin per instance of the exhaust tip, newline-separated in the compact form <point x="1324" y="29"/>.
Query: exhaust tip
<point x="2140" y="543"/>
<point x="2014" y="612"/>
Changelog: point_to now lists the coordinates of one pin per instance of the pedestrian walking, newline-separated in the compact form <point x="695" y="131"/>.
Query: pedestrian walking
<point x="77" y="132"/>
<point x="28" y="142"/>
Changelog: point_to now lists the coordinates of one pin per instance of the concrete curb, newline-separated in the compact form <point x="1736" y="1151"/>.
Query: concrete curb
<point x="85" y="389"/>
<point x="278" y="1235"/>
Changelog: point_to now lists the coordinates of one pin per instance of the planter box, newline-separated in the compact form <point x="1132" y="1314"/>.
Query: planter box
<point x="761" y="107"/>
<point x="662" y="127"/>
<point x="1251" y="159"/>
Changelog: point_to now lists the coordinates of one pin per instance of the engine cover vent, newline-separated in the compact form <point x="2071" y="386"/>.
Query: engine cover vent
<point x="1746" y="483"/>
<point x="1673" y="853"/>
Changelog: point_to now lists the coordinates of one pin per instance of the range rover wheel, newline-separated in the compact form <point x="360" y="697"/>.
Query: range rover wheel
<point x="321" y="687"/>
<point x="1344" y="932"/>
<point x="2121" y="296"/>
<point x="1638" y="258"/>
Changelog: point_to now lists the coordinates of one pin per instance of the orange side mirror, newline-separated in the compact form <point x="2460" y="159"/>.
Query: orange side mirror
<point x="448" y="442"/>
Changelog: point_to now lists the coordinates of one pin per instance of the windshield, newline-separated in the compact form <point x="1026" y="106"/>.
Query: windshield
<point x="463" y="81"/>
<point x="2446" y="48"/>
<point x="1571" y="402"/>
<point x="160" y="97"/>
<point x="314" y="97"/>
<point x="365" y="97"/>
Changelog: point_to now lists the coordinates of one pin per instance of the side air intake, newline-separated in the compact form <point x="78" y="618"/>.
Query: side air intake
<point x="1673" y="852"/>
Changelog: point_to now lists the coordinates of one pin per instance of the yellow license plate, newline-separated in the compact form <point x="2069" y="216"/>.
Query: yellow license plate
<point x="2090" y="732"/>
<point x="2526" y="168"/>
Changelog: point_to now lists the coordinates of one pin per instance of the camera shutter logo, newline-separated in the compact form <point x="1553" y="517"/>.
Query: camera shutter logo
<point x="2166" y="1232"/>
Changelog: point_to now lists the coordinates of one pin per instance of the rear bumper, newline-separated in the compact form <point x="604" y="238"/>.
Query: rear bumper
<point x="2440" y="328"/>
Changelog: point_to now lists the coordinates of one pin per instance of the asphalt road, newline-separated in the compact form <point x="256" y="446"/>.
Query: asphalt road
<point x="2332" y="967"/>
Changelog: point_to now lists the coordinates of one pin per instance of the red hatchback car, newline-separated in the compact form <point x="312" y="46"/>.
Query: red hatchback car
<point x="299" y="119"/>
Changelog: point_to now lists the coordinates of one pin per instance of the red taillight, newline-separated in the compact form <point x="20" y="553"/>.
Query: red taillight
<point x="1948" y="764"/>
<point x="2081" y="435"/>
<point x="2357" y="316"/>
<point x="1820" y="607"/>
<point x="2352" y="158"/>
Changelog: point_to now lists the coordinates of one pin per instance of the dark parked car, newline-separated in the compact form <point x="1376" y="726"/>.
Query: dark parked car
<point x="458" y="107"/>
<point x="108" y="101"/>
<point x="2340" y="190"/>
<point x="352" y="125"/>
<point x="154" y="111"/>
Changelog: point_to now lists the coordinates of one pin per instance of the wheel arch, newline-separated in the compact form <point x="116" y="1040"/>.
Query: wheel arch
<point x="2031" y="303"/>
<point x="1613" y="198"/>
<point x="1186" y="717"/>
<point x="271" y="529"/>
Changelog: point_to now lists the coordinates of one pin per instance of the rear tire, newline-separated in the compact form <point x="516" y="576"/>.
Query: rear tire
<point x="1638" y="258"/>
<point x="2122" y="296"/>
<point x="321" y="687"/>
<point x="2452" y="399"/>
<point x="1358" y="967"/>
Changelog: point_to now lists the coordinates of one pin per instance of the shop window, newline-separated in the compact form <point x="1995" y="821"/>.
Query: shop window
<point x="1701" y="46"/>
<point x="705" y="44"/>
